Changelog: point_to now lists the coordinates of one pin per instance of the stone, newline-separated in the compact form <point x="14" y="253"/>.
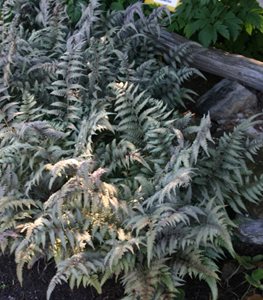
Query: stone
<point x="251" y="231"/>
<point x="226" y="100"/>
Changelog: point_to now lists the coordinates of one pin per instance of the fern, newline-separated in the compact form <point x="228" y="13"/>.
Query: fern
<point x="229" y="168"/>
<point x="99" y="172"/>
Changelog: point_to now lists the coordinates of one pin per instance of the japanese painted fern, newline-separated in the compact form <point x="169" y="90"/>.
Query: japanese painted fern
<point x="99" y="171"/>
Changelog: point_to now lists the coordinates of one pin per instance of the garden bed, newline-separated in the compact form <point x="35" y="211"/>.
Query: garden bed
<point x="233" y="285"/>
<point x="36" y="280"/>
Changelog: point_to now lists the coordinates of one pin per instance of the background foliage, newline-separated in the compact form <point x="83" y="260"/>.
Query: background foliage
<point x="230" y="25"/>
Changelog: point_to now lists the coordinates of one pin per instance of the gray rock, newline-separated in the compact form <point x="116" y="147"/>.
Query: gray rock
<point x="226" y="99"/>
<point x="251" y="231"/>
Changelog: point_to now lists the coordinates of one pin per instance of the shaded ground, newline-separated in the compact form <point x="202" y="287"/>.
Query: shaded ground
<point x="36" y="282"/>
<point x="232" y="286"/>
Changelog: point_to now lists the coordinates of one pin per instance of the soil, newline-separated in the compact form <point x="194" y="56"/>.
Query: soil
<point x="232" y="285"/>
<point x="36" y="280"/>
<point x="201" y="85"/>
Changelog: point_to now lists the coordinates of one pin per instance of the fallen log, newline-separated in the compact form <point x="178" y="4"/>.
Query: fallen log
<point x="246" y="71"/>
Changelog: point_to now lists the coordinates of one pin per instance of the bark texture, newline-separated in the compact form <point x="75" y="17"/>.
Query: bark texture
<point x="247" y="71"/>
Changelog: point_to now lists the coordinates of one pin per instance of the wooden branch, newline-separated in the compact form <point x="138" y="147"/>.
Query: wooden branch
<point x="260" y="3"/>
<point x="247" y="71"/>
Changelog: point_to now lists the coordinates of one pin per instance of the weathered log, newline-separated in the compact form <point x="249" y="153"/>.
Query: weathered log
<point x="247" y="71"/>
<point x="260" y="2"/>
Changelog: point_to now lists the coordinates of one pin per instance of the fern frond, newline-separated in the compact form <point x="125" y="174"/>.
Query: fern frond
<point x="42" y="128"/>
<point x="80" y="266"/>
<point x="147" y="283"/>
<point x="197" y="264"/>
<point x="167" y="187"/>
<point x="203" y="135"/>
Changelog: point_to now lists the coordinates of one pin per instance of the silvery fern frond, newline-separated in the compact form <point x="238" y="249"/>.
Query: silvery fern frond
<point x="98" y="171"/>
<point x="42" y="128"/>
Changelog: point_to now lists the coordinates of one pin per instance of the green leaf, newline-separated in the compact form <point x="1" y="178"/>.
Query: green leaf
<point x="192" y="28"/>
<point x="118" y="5"/>
<point x="223" y="30"/>
<point x="246" y="262"/>
<point x="207" y="35"/>
<point x="249" y="28"/>
<point x="257" y="275"/>
<point x="95" y="283"/>
<point x="213" y="287"/>
<point x="74" y="11"/>
<point x="233" y="24"/>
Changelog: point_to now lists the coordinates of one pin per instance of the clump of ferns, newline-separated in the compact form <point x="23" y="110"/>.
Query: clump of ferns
<point x="98" y="171"/>
<point x="84" y="215"/>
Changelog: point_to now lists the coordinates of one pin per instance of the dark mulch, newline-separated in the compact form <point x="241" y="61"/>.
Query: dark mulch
<point x="232" y="286"/>
<point x="35" y="283"/>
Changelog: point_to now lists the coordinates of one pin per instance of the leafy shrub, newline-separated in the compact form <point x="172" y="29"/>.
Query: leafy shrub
<point x="99" y="172"/>
<point x="254" y="264"/>
<point x="235" y="26"/>
<point x="213" y="21"/>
